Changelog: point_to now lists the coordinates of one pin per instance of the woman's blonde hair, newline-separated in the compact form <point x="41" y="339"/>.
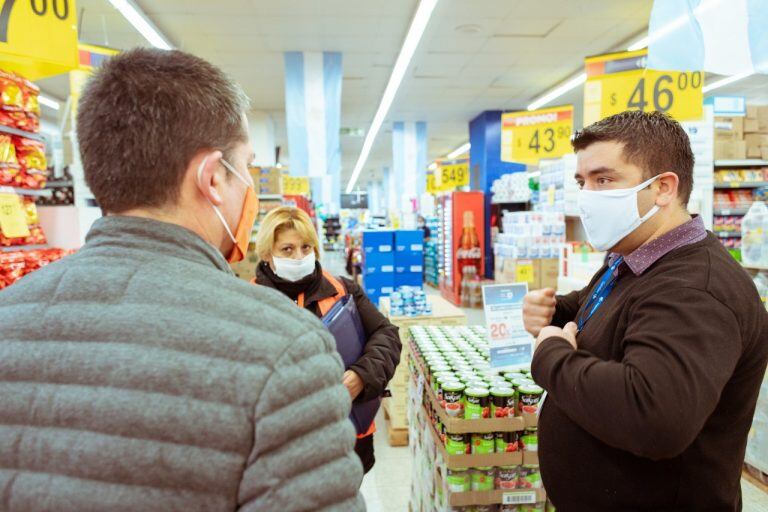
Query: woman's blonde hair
<point x="282" y="219"/>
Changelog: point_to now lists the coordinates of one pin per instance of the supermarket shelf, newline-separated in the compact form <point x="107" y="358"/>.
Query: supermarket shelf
<point x="59" y="183"/>
<point x="741" y="163"/>
<point x="726" y="234"/>
<point x="754" y="267"/>
<point x="268" y="197"/>
<point x="741" y="184"/>
<point x="15" y="248"/>
<point x="20" y="133"/>
<point x="510" y="202"/>
<point x="731" y="211"/>
<point x="28" y="191"/>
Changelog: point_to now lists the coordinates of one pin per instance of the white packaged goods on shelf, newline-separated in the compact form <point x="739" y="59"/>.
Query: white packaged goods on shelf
<point x="757" y="443"/>
<point x="558" y="189"/>
<point x="754" y="235"/>
<point x="511" y="188"/>
<point x="531" y="235"/>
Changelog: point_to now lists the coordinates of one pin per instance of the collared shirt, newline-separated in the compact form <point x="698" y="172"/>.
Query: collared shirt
<point x="647" y="254"/>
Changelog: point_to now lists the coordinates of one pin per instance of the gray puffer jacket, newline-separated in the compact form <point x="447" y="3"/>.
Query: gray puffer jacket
<point x="140" y="375"/>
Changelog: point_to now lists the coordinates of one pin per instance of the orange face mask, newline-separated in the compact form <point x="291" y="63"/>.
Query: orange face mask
<point x="242" y="236"/>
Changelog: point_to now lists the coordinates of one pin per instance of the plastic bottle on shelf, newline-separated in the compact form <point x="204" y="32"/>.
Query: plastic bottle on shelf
<point x="754" y="235"/>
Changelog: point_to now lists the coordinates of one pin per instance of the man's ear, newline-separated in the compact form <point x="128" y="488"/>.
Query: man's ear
<point x="207" y="175"/>
<point x="668" y="184"/>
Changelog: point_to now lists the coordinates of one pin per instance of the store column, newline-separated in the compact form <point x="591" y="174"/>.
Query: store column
<point x="313" y="117"/>
<point x="409" y="161"/>
<point x="486" y="166"/>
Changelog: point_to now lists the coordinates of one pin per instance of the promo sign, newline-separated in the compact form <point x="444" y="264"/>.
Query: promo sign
<point x="511" y="345"/>
<point x="449" y="175"/>
<point x="295" y="185"/>
<point x="13" y="220"/>
<point x="38" y="38"/>
<point x="619" y="81"/>
<point x="527" y="137"/>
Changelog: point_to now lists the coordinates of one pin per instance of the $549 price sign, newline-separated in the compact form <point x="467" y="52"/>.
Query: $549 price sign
<point x="527" y="137"/>
<point x="38" y="38"/>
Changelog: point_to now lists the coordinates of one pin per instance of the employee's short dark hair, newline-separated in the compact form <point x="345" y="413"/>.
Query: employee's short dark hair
<point x="652" y="140"/>
<point x="144" y="116"/>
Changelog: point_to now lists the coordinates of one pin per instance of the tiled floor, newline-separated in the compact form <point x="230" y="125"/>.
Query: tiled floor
<point x="387" y="487"/>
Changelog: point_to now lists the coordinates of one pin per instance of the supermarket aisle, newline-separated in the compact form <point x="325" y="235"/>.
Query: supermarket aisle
<point x="387" y="487"/>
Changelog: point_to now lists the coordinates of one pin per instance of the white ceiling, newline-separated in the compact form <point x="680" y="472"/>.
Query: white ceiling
<point x="475" y="54"/>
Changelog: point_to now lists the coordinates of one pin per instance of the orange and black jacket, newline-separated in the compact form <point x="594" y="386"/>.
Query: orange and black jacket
<point x="377" y="365"/>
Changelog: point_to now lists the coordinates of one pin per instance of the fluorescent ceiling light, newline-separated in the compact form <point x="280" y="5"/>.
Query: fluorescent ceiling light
<point x="671" y="26"/>
<point x="49" y="102"/>
<point x="558" y="91"/>
<point x="459" y="150"/>
<point x="416" y="30"/>
<point x="432" y="166"/>
<point x="726" y="81"/>
<point x="140" y="22"/>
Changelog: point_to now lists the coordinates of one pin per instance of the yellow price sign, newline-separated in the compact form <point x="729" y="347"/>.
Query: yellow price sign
<point x="524" y="272"/>
<point x="38" y="38"/>
<point x="619" y="82"/>
<point x="527" y="137"/>
<point x="449" y="175"/>
<point x="13" y="220"/>
<point x="431" y="187"/>
<point x="295" y="185"/>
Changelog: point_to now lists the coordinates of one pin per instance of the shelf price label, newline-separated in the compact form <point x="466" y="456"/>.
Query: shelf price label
<point x="527" y="137"/>
<point x="295" y="185"/>
<point x="13" y="220"/>
<point x="619" y="81"/>
<point x="38" y="38"/>
<point x="511" y="347"/>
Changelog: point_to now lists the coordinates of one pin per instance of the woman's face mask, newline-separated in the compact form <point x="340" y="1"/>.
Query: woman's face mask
<point x="292" y="269"/>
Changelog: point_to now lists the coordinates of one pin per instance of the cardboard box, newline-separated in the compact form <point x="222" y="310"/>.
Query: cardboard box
<point x="378" y="263"/>
<point x="378" y="241"/>
<point x="549" y="270"/>
<point x="762" y="119"/>
<point x="730" y="150"/>
<point x="751" y="111"/>
<point x="409" y="279"/>
<point x="751" y="125"/>
<point x="409" y="240"/>
<point x="729" y="128"/>
<point x="755" y="141"/>
<point x="764" y="152"/>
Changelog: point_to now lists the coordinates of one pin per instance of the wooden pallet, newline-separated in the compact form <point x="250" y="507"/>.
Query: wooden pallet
<point x="395" y="436"/>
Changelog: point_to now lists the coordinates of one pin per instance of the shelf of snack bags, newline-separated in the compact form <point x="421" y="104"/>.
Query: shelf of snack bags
<point x="441" y="312"/>
<point x="473" y="430"/>
<point x="741" y="178"/>
<point x="16" y="264"/>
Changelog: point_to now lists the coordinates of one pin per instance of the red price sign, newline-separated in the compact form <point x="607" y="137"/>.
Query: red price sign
<point x="499" y="331"/>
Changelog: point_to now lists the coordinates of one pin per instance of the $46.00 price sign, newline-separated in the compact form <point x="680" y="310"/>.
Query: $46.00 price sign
<point x="527" y="137"/>
<point x="38" y="38"/>
<point x="619" y="82"/>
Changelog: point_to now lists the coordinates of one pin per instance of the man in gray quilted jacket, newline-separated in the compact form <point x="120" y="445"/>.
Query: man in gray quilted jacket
<point x="139" y="374"/>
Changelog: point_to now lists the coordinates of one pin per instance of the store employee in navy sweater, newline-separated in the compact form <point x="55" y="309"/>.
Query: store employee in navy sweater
<point x="653" y="370"/>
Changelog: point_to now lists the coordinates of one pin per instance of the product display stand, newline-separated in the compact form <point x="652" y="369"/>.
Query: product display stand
<point x="396" y="406"/>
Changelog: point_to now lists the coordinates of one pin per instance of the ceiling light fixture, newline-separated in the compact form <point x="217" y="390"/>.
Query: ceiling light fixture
<point x="726" y="81"/>
<point x="49" y="102"/>
<point x="459" y="151"/>
<point x="671" y="26"/>
<point x="558" y="91"/>
<point x="416" y="30"/>
<point x="140" y="22"/>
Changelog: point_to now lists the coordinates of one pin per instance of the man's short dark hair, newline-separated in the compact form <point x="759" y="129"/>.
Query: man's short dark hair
<point x="144" y="116"/>
<point x="652" y="140"/>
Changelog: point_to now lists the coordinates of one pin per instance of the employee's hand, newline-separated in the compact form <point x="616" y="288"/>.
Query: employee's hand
<point x="353" y="383"/>
<point x="538" y="310"/>
<point x="568" y="334"/>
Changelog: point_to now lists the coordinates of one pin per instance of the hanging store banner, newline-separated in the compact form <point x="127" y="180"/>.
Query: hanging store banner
<point x="727" y="38"/>
<point x="409" y="161"/>
<point x="38" y="38"/>
<point x="313" y="112"/>
<point x="449" y="175"/>
<point x="527" y="137"/>
<point x="620" y="81"/>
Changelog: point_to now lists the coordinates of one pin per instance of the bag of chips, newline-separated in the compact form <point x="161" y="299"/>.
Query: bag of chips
<point x="11" y="92"/>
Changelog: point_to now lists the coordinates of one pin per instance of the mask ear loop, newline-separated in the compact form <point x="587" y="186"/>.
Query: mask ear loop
<point x="215" y="208"/>
<point x="653" y="211"/>
<point x="231" y="169"/>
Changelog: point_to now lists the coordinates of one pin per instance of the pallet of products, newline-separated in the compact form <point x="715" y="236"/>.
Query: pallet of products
<point x="473" y="430"/>
<point x="396" y="406"/>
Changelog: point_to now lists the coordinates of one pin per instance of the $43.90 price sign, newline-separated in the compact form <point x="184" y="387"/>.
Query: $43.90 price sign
<point x="38" y="38"/>
<point x="618" y="82"/>
<point x="527" y="137"/>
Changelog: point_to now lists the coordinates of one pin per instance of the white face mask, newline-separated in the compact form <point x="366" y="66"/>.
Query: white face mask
<point x="294" y="270"/>
<point x="610" y="215"/>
